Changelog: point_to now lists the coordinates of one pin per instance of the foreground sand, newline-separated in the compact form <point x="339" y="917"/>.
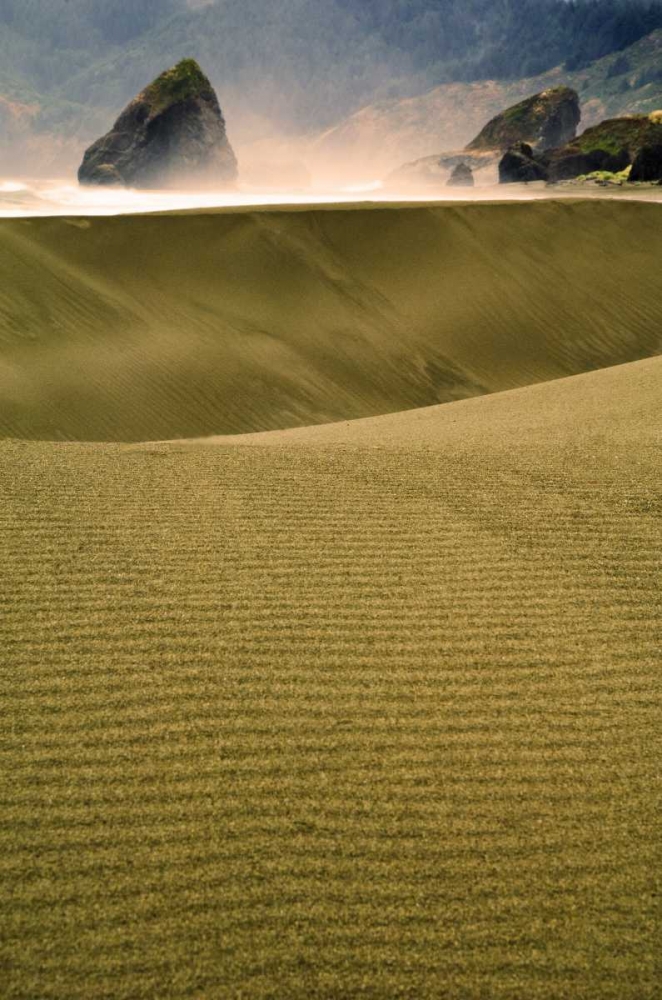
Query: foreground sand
<point x="135" y="328"/>
<point x="365" y="710"/>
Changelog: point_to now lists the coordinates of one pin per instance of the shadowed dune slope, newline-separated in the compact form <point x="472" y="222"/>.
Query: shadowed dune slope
<point x="135" y="328"/>
<point x="355" y="711"/>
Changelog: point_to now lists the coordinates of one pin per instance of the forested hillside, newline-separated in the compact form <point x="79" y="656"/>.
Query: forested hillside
<point x="43" y="41"/>
<point x="67" y="66"/>
<point x="382" y="136"/>
<point x="478" y="39"/>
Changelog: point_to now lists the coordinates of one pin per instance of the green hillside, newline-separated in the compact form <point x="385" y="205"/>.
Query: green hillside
<point x="357" y="711"/>
<point x="134" y="328"/>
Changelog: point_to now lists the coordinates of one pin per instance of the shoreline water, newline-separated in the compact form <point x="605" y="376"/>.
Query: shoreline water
<point x="27" y="198"/>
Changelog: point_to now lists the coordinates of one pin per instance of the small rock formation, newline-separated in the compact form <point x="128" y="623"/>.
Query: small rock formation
<point x="647" y="165"/>
<point x="433" y="171"/>
<point x="173" y="133"/>
<point x="461" y="176"/>
<point x="520" y="165"/>
<point x="544" y="121"/>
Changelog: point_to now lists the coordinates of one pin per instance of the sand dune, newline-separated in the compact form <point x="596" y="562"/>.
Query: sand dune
<point x="359" y="710"/>
<point x="617" y="406"/>
<point x="135" y="328"/>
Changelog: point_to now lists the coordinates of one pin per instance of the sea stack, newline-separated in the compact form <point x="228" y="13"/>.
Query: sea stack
<point x="521" y="164"/>
<point x="543" y="121"/>
<point x="171" y="135"/>
<point x="461" y="176"/>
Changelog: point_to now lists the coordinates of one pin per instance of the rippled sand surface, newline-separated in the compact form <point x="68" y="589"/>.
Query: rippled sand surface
<point x="357" y="710"/>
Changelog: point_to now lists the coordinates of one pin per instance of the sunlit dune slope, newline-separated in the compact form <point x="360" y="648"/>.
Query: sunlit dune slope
<point x="613" y="407"/>
<point x="145" y="327"/>
<point x="354" y="711"/>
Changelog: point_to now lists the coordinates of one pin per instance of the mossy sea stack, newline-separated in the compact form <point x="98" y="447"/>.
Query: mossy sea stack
<point x="545" y="120"/>
<point x="172" y="134"/>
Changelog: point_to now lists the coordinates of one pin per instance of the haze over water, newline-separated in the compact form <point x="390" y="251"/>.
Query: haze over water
<point x="25" y="198"/>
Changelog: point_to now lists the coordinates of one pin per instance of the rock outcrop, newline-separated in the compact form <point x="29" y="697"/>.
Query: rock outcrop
<point x="647" y="165"/>
<point x="461" y="176"/>
<point x="566" y="163"/>
<point x="171" y="134"/>
<point x="520" y="165"/>
<point x="544" y="121"/>
<point x="611" y="147"/>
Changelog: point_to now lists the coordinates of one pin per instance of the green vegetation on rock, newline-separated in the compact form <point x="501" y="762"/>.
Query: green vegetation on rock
<point x="183" y="81"/>
<point x="614" y="148"/>
<point x="607" y="176"/>
<point x="547" y="119"/>
<point x="616" y="134"/>
<point x="189" y="147"/>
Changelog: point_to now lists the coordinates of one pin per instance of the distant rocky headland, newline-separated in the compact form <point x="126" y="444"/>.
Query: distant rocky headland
<point x="172" y="134"/>
<point x="543" y="120"/>
<point x="536" y="140"/>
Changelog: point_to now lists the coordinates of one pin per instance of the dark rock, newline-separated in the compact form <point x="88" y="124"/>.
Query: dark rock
<point x="173" y="133"/>
<point x="567" y="163"/>
<point x="461" y="176"/>
<point x="107" y="175"/>
<point x="610" y="146"/>
<point x="545" y="120"/>
<point x="520" y="165"/>
<point x="647" y="165"/>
